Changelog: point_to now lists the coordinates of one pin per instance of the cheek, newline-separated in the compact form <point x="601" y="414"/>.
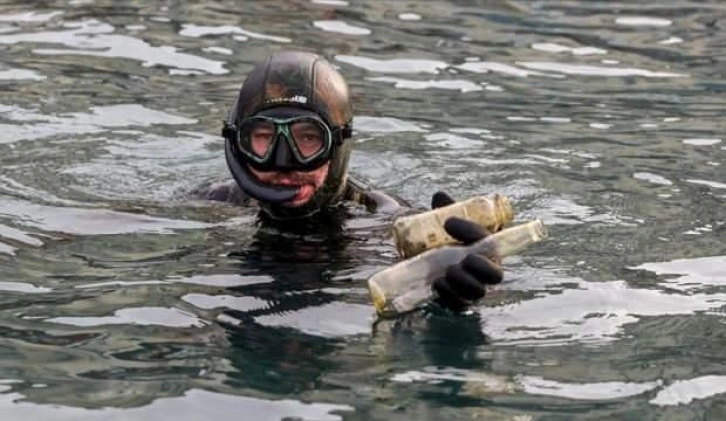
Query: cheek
<point x="320" y="174"/>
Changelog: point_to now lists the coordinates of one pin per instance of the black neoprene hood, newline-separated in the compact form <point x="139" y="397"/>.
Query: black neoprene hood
<point x="307" y="82"/>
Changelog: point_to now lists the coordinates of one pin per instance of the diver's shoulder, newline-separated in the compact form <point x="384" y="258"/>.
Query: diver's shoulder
<point x="375" y="200"/>
<point x="222" y="190"/>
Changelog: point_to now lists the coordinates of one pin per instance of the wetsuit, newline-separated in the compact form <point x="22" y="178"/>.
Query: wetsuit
<point x="355" y="191"/>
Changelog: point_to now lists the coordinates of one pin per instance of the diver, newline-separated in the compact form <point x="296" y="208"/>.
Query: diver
<point x="287" y="146"/>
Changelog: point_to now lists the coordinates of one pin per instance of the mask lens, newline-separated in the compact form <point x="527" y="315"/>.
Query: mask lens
<point x="257" y="137"/>
<point x="309" y="136"/>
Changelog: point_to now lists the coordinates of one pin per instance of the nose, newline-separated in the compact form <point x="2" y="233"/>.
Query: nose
<point x="284" y="159"/>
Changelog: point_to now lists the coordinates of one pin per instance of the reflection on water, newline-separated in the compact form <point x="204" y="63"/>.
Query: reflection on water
<point x="194" y="405"/>
<point x="123" y="299"/>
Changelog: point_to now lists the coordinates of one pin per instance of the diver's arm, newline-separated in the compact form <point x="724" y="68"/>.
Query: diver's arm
<point x="222" y="191"/>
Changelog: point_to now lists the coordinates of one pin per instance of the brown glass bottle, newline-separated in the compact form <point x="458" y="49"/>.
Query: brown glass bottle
<point x="414" y="234"/>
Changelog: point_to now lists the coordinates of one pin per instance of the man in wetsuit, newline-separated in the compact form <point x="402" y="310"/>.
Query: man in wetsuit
<point x="287" y="145"/>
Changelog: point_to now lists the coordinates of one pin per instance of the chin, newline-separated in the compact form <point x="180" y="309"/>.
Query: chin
<point x="296" y="204"/>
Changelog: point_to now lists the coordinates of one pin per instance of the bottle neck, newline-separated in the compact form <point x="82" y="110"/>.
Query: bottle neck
<point x="510" y="240"/>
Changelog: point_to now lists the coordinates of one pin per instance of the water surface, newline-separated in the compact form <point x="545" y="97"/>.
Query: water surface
<point x="123" y="299"/>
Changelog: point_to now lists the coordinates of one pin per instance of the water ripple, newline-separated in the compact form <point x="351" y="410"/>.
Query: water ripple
<point x="686" y="391"/>
<point x="82" y="221"/>
<point x="453" y="84"/>
<point x="588" y="70"/>
<point x="145" y="316"/>
<point x="94" y="38"/>
<point x="194" y="405"/>
<point x="393" y="65"/>
<point x="340" y="27"/>
<point x="595" y="312"/>
<point x="197" y="31"/>
<point x="34" y="125"/>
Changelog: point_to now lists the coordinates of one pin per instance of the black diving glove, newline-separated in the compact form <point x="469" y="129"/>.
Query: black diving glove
<point x="465" y="282"/>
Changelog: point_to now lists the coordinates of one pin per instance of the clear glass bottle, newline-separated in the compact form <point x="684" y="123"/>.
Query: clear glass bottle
<point x="407" y="284"/>
<point x="414" y="234"/>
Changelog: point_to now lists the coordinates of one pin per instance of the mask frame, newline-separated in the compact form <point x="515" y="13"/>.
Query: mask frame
<point x="290" y="158"/>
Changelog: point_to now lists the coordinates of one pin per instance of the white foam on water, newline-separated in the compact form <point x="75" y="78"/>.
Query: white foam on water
<point x="594" y="312"/>
<point x="209" y="302"/>
<point x="490" y="66"/>
<point x="146" y="316"/>
<point x="91" y="221"/>
<point x="198" y="31"/>
<point x="701" y="142"/>
<point x="588" y="70"/>
<point x="461" y="85"/>
<point x="393" y="65"/>
<point x="192" y="405"/>
<point x="601" y="126"/>
<point x="652" y="178"/>
<point x="30" y="17"/>
<point x="369" y="124"/>
<point x="482" y="384"/>
<point x="552" y="47"/>
<point x="20" y="74"/>
<point x="340" y="27"/>
<point x="596" y="391"/>
<point x="409" y="16"/>
<point x="686" y="391"/>
<point x="224" y="280"/>
<point x="671" y="41"/>
<point x="218" y="50"/>
<point x="23" y="287"/>
<point x="331" y="2"/>
<point x="690" y="274"/>
<point x="94" y="38"/>
<point x="642" y="21"/>
<point x="453" y="141"/>
<point x="708" y="183"/>
<point x="19" y="236"/>
<point x="31" y="125"/>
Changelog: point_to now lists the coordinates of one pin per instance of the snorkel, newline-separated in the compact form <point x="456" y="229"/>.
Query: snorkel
<point x="247" y="182"/>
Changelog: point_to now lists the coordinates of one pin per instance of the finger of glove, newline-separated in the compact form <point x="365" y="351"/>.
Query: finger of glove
<point x="464" y="230"/>
<point x="464" y="284"/>
<point x="441" y="199"/>
<point x="482" y="269"/>
<point x="447" y="297"/>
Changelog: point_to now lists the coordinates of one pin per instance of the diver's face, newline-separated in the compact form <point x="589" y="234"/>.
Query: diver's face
<point x="308" y="182"/>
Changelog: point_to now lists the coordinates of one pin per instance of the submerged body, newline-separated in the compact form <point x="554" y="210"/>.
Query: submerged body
<point x="354" y="192"/>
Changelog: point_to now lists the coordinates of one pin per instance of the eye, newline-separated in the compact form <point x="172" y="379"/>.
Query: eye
<point x="261" y="136"/>
<point x="311" y="136"/>
<point x="307" y="132"/>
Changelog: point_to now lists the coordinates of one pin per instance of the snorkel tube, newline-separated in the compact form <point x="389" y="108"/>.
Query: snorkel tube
<point x="250" y="185"/>
<point x="246" y="181"/>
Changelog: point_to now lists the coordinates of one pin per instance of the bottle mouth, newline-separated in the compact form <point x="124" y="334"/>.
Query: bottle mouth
<point x="539" y="230"/>
<point x="504" y="210"/>
<point x="378" y="297"/>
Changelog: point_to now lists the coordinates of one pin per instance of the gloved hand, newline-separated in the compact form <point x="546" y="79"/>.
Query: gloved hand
<point x="465" y="282"/>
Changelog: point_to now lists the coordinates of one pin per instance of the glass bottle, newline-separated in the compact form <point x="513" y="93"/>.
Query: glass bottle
<point x="414" y="234"/>
<point x="407" y="284"/>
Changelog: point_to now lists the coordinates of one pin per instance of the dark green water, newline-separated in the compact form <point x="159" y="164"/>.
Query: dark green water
<point x="122" y="300"/>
